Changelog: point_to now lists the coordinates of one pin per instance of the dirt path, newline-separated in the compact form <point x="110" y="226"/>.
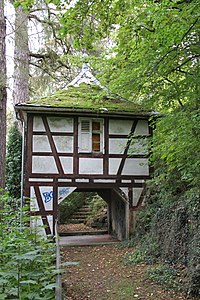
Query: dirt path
<point x="102" y="275"/>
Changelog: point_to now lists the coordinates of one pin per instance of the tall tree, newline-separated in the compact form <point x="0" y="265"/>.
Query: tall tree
<point x="3" y="95"/>
<point x="21" y="57"/>
<point x="48" y="56"/>
<point x="156" y="45"/>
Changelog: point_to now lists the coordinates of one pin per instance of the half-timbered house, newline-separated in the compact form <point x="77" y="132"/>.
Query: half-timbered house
<point x="83" y="138"/>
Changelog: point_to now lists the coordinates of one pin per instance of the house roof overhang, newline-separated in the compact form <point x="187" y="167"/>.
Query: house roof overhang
<point x="84" y="100"/>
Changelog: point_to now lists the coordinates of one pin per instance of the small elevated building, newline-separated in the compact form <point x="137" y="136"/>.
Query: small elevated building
<point x="85" y="139"/>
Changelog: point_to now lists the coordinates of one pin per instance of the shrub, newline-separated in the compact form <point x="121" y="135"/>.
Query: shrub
<point x="97" y="204"/>
<point x="26" y="259"/>
<point x="171" y="235"/>
<point x="13" y="161"/>
<point x="165" y="275"/>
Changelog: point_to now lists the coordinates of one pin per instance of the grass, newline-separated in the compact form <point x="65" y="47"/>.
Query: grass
<point x="124" y="290"/>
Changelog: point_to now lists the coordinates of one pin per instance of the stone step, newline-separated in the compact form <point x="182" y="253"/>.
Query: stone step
<point x="84" y="209"/>
<point x="75" y="221"/>
<point x="82" y="213"/>
<point x="75" y="233"/>
<point x="79" y="216"/>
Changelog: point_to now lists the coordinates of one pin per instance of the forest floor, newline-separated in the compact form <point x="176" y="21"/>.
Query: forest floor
<point x="101" y="274"/>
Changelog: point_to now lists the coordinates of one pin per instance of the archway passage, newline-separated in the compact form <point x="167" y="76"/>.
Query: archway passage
<point x="112" y="218"/>
<point x="83" y="213"/>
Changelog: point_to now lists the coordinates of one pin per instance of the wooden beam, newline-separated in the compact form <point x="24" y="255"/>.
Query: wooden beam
<point x="53" y="146"/>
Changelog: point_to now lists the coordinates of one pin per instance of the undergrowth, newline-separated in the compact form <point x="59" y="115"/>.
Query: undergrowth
<point x="27" y="260"/>
<point x="69" y="205"/>
<point x="167" y="232"/>
<point x="165" y="275"/>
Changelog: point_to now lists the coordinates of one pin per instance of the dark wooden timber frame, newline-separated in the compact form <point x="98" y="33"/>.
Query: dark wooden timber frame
<point x="118" y="179"/>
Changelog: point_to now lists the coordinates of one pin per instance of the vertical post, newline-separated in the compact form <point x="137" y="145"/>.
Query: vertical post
<point x="58" y="291"/>
<point x="22" y="172"/>
<point x="55" y="205"/>
<point x="132" y="221"/>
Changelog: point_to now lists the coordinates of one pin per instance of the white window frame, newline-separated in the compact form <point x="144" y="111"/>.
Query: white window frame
<point x="86" y="137"/>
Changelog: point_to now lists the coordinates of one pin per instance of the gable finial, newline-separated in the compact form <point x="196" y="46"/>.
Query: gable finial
<point x="86" y="76"/>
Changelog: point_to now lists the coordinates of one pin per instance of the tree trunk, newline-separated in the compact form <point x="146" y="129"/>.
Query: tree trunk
<point x="3" y="95"/>
<point x="21" y="57"/>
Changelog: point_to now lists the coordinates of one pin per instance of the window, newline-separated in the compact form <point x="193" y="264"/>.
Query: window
<point x="96" y="136"/>
<point x="90" y="135"/>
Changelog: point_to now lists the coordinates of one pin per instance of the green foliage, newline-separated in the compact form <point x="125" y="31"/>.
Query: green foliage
<point x="146" y="250"/>
<point x="13" y="161"/>
<point x="97" y="204"/>
<point x="152" y="46"/>
<point x="176" y="153"/>
<point x="26" y="259"/>
<point x="150" y="54"/>
<point x="69" y="205"/>
<point x="26" y="4"/>
<point x="194" y="258"/>
<point x="167" y="231"/>
<point x="87" y="22"/>
<point x="165" y="275"/>
<point x="137" y="257"/>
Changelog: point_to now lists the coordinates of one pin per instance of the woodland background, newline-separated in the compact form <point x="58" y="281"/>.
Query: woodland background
<point x="148" y="52"/>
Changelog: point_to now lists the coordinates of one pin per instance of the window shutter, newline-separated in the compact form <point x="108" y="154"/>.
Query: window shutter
<point x="85" y="126"/>
<point x="85" y="136"/>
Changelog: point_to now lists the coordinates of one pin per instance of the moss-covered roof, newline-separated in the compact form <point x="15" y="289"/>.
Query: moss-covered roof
<point x="87" y="97"/>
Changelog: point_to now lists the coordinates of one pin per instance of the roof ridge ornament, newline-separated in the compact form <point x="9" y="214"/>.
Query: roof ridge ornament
<point x="86" y="76"/>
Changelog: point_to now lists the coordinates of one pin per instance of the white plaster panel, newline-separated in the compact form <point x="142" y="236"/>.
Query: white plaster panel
<point x="33" y="201"/>
<point x="120" y="126"/>
<point x="44" y="164"/>
<point x="138" y="146"/>
<point x="47" y="196"/>
<point x="60" y="124"/>
<point x="63" y="192"/>
<point x="125" y="191"/>
<point x="67" y="164"/>
<point x="50" y="219"/>
<point x="139" y="180"/>
<point x="114" y="165"/>
<point x="36" y="221"/>
<point x="41" y="179"/>
<point x="117" y="146"/>
<point x="104" y="180"/>
<point x="91" y="166"/>
<point x="37" y="225"/>
<point x="64" y="143"/>
<point x="64" y="180"/>
<point x="41" y="144"/>
<point x="142" y="128"/>
<point x="143" y="202"/>
<point x="38" y="124"/>
<point x="82" y="180"/>
<point x="135" y="166"/>
<point x="126" y="181"/>
<point x="136" y="195"/>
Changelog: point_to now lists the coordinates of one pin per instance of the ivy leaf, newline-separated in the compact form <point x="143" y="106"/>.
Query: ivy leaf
<point x="50" y="286"/>
<point x="29" y="281"/>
